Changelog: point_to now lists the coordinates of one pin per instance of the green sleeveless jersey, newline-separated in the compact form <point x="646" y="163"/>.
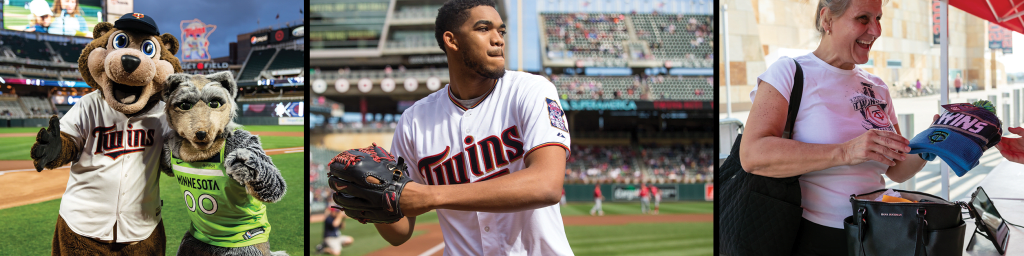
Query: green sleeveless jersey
<point x="222" y="212"/>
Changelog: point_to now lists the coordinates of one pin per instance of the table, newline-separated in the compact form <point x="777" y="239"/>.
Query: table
<point x="1005" y="185"/>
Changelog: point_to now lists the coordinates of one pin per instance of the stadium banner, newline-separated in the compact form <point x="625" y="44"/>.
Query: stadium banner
<point x="999" y="37"/>
<point x="66" y="100"/>
<point x="259" y="39"/>
<point x="298" y="31"/>
<point x="290" y="121"/>
<point x="280" y="35"/>
<point x="43" y="82"/>
<point x="50" y="17"/>
<point x="194" y="43"/>
<point x="936" y="25"/>
<point x="581" y="105"/>
<point x="277" y="109"/>
<point x="631" y="192"/>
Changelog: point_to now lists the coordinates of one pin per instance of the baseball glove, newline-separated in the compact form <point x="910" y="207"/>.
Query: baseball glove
<point x="368" y="184"/>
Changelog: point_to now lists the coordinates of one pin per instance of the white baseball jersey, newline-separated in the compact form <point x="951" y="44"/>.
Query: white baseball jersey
<point x="444" y="142"/>
<point x="114" y="180"/>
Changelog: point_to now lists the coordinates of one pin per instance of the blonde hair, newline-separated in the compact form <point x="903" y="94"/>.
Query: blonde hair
<point x="836" y="8"/>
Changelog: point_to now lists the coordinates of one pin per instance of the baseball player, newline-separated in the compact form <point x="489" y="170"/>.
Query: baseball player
<point x="487" y="151"/>
<point x="645" y="199"/>
<point x="597" y="201"/>
<point x="657" y="198"/>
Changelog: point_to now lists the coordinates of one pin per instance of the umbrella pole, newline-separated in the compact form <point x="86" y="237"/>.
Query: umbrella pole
<point x="944" y="88"/>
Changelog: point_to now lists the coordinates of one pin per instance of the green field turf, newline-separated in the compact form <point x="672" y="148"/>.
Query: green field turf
<point x="275" y="128"/>
<point x="365" y="236"/>
<point x="680" y="238"/>
<point x="17" y="148"/>
<point x="272" y="142"/>
<point x="32" y="130"/>
<point x="630" y="239"/>
<point x="28" y="230"/>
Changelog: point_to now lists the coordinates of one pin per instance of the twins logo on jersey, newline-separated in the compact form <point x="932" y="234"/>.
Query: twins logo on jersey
<point x="556" y="115"/>
<point x="495" y="152"/>
<point x="112" y="143"/>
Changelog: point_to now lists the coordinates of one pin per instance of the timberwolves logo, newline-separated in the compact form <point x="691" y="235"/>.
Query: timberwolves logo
<point x="938" y="136"/>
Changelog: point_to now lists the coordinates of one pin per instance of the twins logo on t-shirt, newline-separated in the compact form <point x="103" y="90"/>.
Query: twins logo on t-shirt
<point x="872" y="109"/>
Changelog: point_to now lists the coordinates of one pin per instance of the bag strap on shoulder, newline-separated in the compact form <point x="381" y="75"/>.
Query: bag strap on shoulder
<point x="794" y="101"/>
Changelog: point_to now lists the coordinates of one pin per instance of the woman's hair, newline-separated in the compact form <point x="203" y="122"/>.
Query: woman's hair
<point x="836" y="8"/>
<point x="57" y="8"/>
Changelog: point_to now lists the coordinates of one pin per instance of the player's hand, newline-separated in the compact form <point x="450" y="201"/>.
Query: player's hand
<point x="875" y="145"/>
<point x="1012" y="148"/>
<point x="48" y="144"/>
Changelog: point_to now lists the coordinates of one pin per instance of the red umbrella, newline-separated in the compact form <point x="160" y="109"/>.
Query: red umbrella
<point x="1006" y="13"/>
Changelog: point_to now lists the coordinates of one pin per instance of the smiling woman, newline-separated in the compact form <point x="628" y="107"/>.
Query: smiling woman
<point x="845" y="136"/>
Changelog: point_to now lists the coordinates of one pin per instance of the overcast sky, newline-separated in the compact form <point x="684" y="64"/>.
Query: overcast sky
<point x="232" y="17"/>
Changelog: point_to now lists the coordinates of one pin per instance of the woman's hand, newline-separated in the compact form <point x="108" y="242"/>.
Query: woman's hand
<point x="1012" y="148"/>
<point x="875" y="145"/>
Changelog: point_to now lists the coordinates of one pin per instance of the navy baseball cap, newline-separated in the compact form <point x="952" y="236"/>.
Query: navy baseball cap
<point x="960" y="136"/>
<point x="137" y="22"/>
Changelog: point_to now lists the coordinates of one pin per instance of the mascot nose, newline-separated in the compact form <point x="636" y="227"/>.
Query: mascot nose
<point x="201" y="135"/>
<point x="129" y="63"/>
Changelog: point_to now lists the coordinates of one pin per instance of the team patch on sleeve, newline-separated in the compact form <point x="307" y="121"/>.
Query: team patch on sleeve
<point x="556" y="115"/>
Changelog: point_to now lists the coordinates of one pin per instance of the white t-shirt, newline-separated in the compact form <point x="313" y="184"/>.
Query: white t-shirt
<point x="444" y="142"/>
<point x="837" y="106"/>
<point x="114" y="180"/>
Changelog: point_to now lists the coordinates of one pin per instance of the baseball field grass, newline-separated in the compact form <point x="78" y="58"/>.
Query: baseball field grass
<point x="275" y="128"/>
<point x="28" y="229"/>
<point x="19" y="130"/>
<point x="682" y="238"/>
<point x="17" y="148"/>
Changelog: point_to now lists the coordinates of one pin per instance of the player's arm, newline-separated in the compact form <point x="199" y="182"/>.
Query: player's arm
<point x="537" y="185"/>
<point x="397" y="233"/>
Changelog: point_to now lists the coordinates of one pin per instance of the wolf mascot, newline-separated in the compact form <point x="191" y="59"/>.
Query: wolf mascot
<point x="113" y="137"/>
<point x="222" y="170"/>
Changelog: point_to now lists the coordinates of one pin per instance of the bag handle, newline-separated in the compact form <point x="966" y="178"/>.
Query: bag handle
<point x="794" y="101"/>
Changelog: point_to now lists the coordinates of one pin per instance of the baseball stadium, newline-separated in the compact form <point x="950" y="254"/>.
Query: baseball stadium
<point x="40" y="77"/>
<point x="634" y="79"/>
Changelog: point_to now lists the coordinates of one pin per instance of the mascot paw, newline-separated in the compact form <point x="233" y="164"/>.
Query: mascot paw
<point x="239" y="166"/>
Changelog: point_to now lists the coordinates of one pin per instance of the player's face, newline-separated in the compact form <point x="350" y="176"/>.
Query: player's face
<point x="482" y="42"/>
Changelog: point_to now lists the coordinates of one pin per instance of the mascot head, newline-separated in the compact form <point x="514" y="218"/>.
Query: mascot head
<point x="129" y="61"/>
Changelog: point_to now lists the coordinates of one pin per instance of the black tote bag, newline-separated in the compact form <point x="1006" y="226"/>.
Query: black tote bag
<point x="760" y="215"/>
<point x="934" y="228"/>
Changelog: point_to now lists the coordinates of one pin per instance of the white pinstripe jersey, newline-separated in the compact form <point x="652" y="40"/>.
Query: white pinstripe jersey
<point x="444" y="142"/>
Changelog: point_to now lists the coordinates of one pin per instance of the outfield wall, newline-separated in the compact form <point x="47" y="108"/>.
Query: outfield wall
<point x="631" y="192"/>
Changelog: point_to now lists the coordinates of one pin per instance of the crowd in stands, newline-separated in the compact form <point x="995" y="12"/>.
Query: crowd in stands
<point x="690" y="163"/>
<point x="636" y="87"/>
<point x="605" y="37"/>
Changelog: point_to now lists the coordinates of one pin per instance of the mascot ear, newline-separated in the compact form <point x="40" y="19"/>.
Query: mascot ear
<point x="102" y="28"/>
<point x="173" y="82"/>
<point x="226" y="80"/>
<point x="170" y="43"/>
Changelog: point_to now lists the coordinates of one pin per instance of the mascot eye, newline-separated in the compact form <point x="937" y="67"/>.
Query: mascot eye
<point x="120" y="41"/>
<point x="184" y="106"/>
<point x="215" y="104"/>
<point x="148" y="48"/>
